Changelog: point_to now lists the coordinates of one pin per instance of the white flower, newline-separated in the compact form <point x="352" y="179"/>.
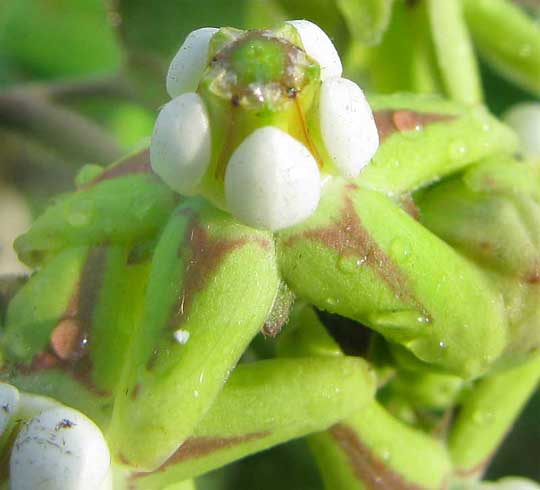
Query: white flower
<point x="272" y="181"/>
<point x="59" y="449"/>
<point x="525" y="120"/>
<point x="319" y="46"/>
<point x="347" y="126"/>
<point x="180" y="147"/>
<point x="189" y="63"/>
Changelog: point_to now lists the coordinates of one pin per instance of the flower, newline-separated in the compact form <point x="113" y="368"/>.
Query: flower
<point x="258" y="120"/>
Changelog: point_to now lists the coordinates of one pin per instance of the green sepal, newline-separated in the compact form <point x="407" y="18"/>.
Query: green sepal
<point x="123" y="205"/>
<point x="490" y="213"/>
<point x="268" y="403"/>
<point x="370" y="445"/>
<point x="486" y="415"/>
<point x="40" y="303"/>
<point x="202" y="308"/>
<point x="368" y="260"/>
<point x="452" y="138"/>
<point x="69" y="329"/>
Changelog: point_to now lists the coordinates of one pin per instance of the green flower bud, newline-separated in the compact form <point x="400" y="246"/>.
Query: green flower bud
<point x="490" y="213"/>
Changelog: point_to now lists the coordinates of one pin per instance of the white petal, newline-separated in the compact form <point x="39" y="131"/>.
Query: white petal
<point x="180" y="146"/>
<point x="272" y="181"/>
<point x="189" y="63"/>
<point x="319" y="46"/>
<point x="525" y="120"/>
<point x="60" y="449"/>
<point x="9" y="402"/>
<point x="31" y="405"/>
<point x="347" y="126"/>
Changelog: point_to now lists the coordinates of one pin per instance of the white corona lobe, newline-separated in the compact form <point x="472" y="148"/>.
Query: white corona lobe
<point x="319" y="46"/>
<point x="272" y="181"/>
<point x="59" y="449"/>
<point x="189" y="62"/>
<point x="180" y="146"/>
<point x="347" y="126"/>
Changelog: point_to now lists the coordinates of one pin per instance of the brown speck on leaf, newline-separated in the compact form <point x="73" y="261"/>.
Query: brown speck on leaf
<point x="534" y="275"/>
<point x="69" y="341"/>
<point x="403" y="120"/>
<point x="66" y="341"/>
<point x="135" y="392"/>
<point x="374" y="473"/>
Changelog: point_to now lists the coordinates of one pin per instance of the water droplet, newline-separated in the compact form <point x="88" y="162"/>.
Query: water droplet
<point x="141" y="208"/>
<point x="196" y="393"/>
<point x="201" y="377"/>
<point x="331" y="301"/>
<point x="423" y="319"/>
<point x="400" y="250"/>
<point x="385" y="454"/>
<point x="396" y="164"/>
<point x="349" y="264"/>
<point x="403" y="320"/>
<point x="80" y="213"/>
<point x="443" y="345"/>
<point x="458" y="151"/>
<point x="482" y="417"/>
<point x="181" y="336"/>
<point x="525" y="51"/>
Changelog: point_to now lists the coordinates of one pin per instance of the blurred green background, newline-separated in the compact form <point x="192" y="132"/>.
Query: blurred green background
<point x="81" y="81"/>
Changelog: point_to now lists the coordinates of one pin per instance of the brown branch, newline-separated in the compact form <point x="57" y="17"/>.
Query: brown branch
<point x="68" y="90"/>
<point x="77" y="136"/>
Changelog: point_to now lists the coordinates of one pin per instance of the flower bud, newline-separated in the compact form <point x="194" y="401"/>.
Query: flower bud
<point x="59" y="449"/>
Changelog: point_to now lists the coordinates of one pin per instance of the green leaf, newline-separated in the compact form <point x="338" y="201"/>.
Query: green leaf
<point x="56" y="38"/>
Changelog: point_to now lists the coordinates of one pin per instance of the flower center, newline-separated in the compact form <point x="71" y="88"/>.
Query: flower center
<point x="259" y="69"/>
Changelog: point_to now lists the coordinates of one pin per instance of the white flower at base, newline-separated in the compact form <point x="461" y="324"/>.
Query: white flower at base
<point x="525" y="120"/>
<point x="272" y="180"/>
<point x="319" y="46"/>
<point x="9" y="403"/>
<point x="180" y="147"/>
<point x="347" y="125"/>
<point x="189" y="63"/>
<point x="59" y="449"/>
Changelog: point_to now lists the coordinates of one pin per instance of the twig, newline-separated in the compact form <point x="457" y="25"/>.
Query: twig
<point x="74" y="134"/>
